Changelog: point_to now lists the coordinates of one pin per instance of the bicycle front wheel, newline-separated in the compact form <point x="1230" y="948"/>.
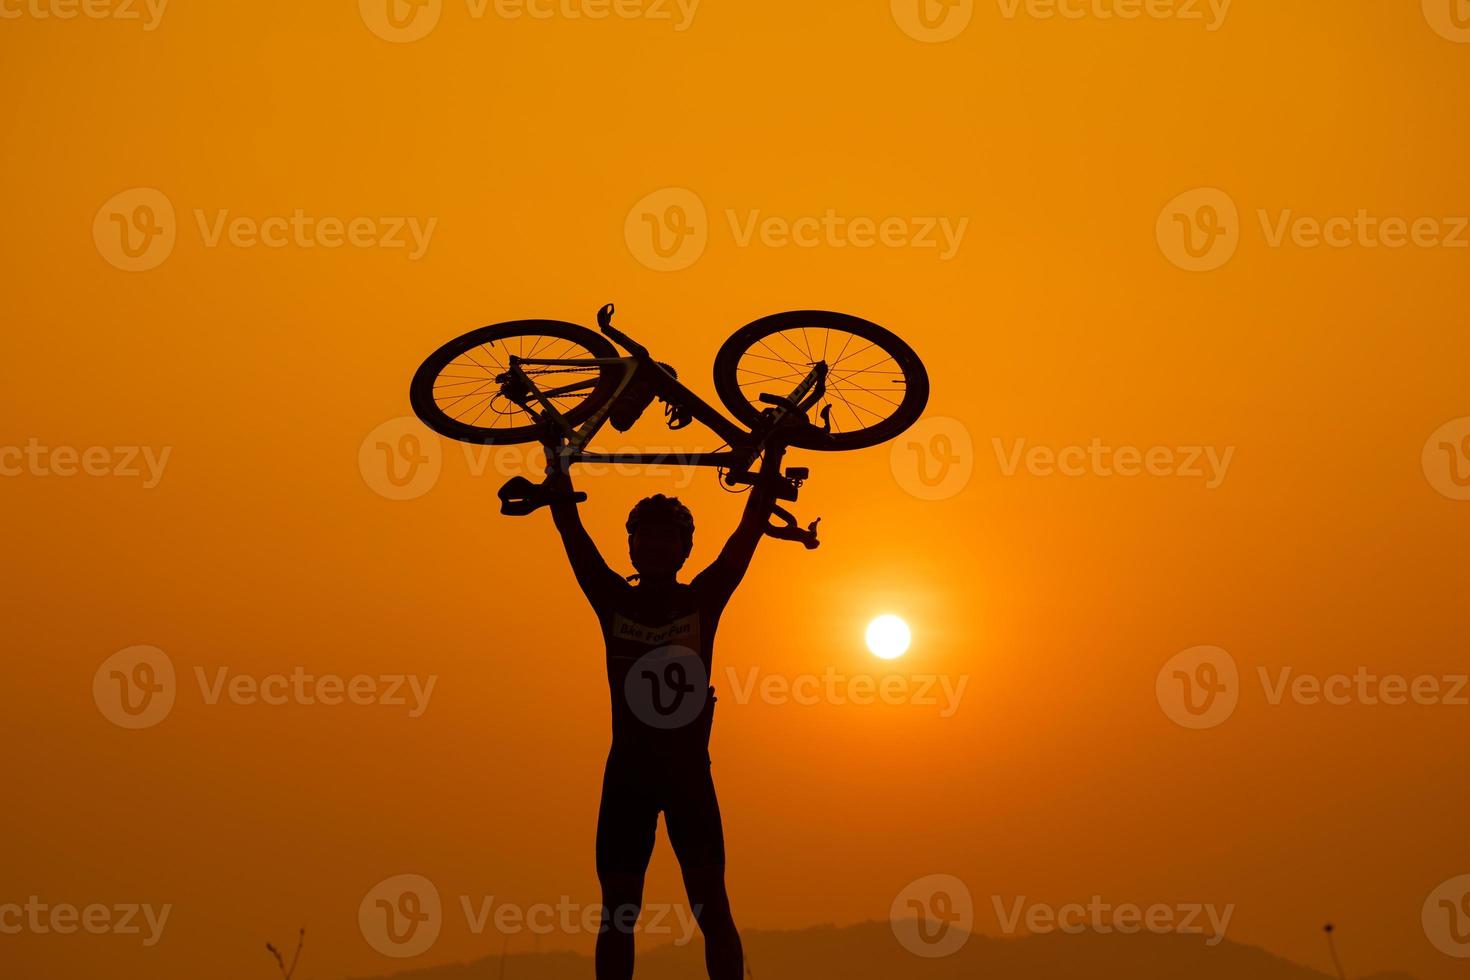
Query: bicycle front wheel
<point x="463" y="390"/>
<point x="876" y="385"/>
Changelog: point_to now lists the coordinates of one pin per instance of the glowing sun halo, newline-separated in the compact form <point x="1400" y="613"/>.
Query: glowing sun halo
<point x="888" y="637"/>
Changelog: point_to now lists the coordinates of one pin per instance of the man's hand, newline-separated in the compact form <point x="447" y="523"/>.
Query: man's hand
<point x="558" y="472"/>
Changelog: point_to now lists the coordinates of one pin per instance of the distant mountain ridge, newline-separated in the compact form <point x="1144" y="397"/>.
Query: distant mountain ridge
<point x="869" y="951"/>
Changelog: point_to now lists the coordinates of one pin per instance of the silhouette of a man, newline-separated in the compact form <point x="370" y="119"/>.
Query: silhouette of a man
<point x="660" y="639"/>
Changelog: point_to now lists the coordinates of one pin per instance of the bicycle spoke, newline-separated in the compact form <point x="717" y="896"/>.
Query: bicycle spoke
<point x="865" y="384"/>
<point x="468" y="394"/>
<point x="851" y="409"/>
<point x="869" y="391"/>
<point x="470" y="389"/>
<point x="783" y="336"/>
<point x="855" y="353"/>
<point x="493" y="357"/>
<point x="769" y="377"/>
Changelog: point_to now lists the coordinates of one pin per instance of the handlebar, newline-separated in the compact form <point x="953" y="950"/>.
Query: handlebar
<point x="519" y="496"/>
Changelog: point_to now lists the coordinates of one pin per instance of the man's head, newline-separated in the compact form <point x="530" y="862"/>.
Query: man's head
<point x="660" y="535"/>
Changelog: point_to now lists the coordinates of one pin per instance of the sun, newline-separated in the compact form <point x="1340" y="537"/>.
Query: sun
<point x="888" y="637"/>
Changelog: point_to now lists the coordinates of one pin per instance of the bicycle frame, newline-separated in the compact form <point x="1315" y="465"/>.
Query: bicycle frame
<point x="745" y="445"/>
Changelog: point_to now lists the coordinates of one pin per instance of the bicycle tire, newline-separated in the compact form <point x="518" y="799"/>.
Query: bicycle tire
<point x="915" y="378"/>
<point x="421" y="394"/>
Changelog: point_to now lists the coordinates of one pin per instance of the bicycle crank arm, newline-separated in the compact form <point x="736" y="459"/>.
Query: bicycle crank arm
<point x="519" y="496"/>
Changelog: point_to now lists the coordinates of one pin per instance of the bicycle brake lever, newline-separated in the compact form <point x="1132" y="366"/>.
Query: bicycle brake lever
<point x="788" y="531"/>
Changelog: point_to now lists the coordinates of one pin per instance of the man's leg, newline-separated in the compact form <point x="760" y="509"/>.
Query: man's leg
<point x="622" y="899"/>
<point x="724" y="957"/>
<point x="698" y="836"/>
<point x="627" y="822"/>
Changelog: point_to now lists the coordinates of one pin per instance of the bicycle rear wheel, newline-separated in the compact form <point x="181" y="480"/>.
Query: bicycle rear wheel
<point x="876" y="385"/>
<point x="460" y="391"/>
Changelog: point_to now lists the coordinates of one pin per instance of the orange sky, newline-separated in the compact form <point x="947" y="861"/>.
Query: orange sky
<point x="1061" y="316"/>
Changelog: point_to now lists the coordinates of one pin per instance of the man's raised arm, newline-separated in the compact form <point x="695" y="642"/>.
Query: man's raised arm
<point x="597" y="580"/>
<point x="726" y="571"/>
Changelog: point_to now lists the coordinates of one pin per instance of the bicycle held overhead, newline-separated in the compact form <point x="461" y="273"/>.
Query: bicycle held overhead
<point x="840" y="383"/>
